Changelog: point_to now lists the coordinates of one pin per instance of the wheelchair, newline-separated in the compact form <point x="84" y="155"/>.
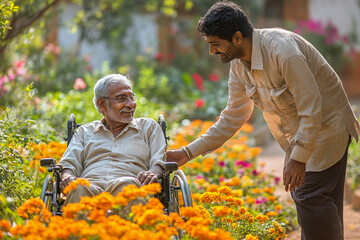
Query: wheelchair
<point x="175" y="191"/>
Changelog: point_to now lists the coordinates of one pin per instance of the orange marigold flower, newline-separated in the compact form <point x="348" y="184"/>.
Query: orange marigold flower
<point x="221" y="211"/>
<point x="247" y="128"/>
<point x="31" y="206"/>
<point x="268" y="190"/>
<point x="152" y="188"/>
<point x="272" y="213"/>
<point x="224" y="190"/>
<point x="5" y="225"/>
<point x="212" y="188"/>
<point x="278" y="207"/>
<point x="256" y="190"/>
<point x="271" y="198"/>
<point x="73" y="185"/>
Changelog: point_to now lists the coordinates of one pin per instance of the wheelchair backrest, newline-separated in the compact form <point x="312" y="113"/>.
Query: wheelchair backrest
<point x="72" y="126"/>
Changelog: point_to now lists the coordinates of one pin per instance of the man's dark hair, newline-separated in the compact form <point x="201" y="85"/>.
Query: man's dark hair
<point x="223" y="19"/>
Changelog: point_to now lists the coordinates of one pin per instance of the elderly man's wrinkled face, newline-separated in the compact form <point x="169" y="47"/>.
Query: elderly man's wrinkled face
<point x="119" y="106"/>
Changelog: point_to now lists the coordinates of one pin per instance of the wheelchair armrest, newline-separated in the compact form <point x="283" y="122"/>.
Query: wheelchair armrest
<point x="47" y="162"/>
<point x="171" y="166"/>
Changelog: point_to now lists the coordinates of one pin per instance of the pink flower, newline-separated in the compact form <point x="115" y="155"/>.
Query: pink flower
<point x="199" y="103"/>
<point x="222" y="164"/>
<point x="79" y="84"/>
<point x="213" y="77"/>
<point x="11" y="74"/>
<point x="198" y="81"/>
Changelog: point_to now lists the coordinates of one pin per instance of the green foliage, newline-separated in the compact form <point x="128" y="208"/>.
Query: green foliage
<point x="17" y="133"/>
<point x="7" y="9"/>
<point x="353" y="166"/>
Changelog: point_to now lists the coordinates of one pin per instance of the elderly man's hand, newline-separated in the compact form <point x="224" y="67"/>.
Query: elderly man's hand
<point x="147" y="177"/>
<point x="67" y="176"/>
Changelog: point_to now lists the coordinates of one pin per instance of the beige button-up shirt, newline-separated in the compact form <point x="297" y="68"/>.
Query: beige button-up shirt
<point x="300" y="95"/>
<point x="95" y="154"/>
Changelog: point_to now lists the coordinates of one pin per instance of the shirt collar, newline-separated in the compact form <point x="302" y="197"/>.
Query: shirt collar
<point x="256" y="55"/>
<point x="133" y="124"/>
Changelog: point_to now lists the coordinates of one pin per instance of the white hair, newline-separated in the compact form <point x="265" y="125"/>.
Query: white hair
<point x="101" y="88"/>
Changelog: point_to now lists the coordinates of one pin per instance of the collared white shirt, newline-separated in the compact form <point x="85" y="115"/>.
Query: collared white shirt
<point x="95" y="154"/>
<point x="301" y="96"/>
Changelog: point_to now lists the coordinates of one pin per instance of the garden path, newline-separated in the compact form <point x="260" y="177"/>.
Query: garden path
<point x="273" y="157"/>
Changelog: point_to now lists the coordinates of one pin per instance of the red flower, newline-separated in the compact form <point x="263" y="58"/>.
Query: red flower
<point x="198" y="81"/>
<point x="213" y="77"/>
<point x="158" y="56"/>
<point x="199" y="103"/>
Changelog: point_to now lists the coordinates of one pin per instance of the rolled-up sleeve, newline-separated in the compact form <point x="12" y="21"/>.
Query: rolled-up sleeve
<point x="304" y="88"/>
<point x="74" y="154"/>
<point x="157" y="145"/>
<point x="238" y="111"/>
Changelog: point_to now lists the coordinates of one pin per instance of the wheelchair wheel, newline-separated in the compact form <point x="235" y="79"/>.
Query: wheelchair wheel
<point x="180" y="192"/>
<point x="47" y="193"/>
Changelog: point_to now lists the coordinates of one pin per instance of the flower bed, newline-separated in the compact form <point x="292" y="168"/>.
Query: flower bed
<point x="233" y="199"/>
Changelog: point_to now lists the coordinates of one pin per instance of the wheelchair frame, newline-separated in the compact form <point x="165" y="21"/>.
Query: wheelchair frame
<point x="169" y="196"/>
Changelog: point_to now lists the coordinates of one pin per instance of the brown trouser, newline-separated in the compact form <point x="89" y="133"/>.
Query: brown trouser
<point x="319" y="203"/>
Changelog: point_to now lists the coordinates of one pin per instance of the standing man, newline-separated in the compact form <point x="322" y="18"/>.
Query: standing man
<point x="303" y="103"/>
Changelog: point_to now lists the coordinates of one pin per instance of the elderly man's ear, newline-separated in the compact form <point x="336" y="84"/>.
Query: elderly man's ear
<point x="101" y="103"/>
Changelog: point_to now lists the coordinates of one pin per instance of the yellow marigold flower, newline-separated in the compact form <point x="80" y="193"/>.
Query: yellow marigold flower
<point x="212" y="188"/>
<point x="237" y="193"/>
<point x="251" y="237"/>
<point x="5" y="225"/>
<point x="221" y="211"/>
<point x="224" y="190"/>
<point x="272" y="213"/>
<point x="268" y="190"/>
<point x="73" y="185"/>
<point x="278" y="207"/>
<point x="152" y="188"/>
<point x="243" y="210"/>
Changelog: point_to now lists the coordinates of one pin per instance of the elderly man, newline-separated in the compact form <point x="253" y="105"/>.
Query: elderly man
<point x="116" y="151"/>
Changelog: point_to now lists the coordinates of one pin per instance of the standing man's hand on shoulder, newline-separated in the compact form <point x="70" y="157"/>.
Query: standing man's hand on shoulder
<point x="178" y="156"/>
<point x="293" y="174"/>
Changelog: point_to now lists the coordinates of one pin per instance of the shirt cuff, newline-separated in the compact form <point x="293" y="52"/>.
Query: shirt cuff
<point x="198" y="147"/>
<point x="300" y="154"/>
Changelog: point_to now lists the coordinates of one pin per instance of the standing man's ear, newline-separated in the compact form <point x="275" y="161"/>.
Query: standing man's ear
<point x="237" y="38"/>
